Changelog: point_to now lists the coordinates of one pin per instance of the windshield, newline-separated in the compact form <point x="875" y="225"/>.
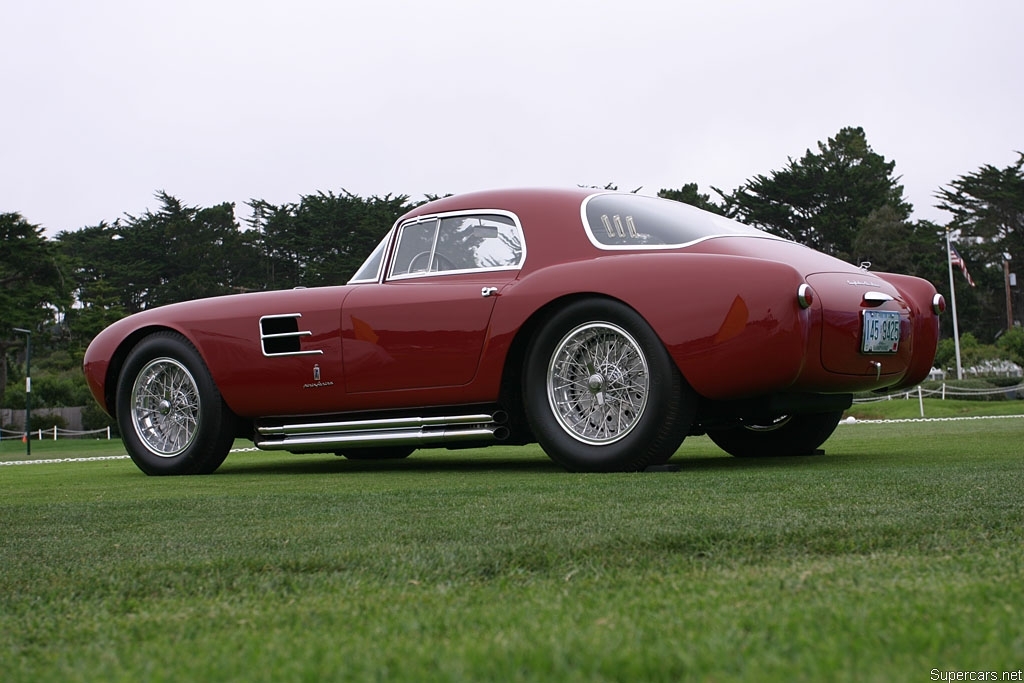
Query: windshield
<point x="632" y="221"/>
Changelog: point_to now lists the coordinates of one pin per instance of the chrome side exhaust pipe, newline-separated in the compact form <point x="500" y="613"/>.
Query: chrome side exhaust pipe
<point x="405" y="431"/>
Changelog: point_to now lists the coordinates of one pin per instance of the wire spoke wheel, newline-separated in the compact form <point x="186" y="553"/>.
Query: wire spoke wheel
<point x="173" y="418"/>
<point x="601" y="392"/>
<point x="767" y="426"/>
<point x="799" y="434"/>
<point x="598" y="383"/>
<point x="165" y="407"/>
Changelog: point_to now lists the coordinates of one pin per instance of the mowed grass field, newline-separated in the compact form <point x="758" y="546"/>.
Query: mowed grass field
<point x="897" y="555"/>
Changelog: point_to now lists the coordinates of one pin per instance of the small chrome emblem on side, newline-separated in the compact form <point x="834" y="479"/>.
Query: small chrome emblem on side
<point x="317" y="383"/>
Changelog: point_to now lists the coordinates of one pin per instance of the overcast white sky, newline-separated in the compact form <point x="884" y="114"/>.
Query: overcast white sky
<point x="108" y="101"/>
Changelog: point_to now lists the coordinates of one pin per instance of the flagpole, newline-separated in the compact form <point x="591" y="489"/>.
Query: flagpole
<point x="952" y="297"/>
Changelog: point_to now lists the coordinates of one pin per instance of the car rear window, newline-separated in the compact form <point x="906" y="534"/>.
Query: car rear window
<point x="632" y="221"/>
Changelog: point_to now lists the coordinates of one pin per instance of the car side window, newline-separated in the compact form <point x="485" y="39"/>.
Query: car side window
<point x="464" y="242"/>
<point x="415" y="243"/>
<point x="476" y="242"/>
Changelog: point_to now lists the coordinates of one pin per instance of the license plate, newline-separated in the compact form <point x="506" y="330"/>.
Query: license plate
<point x="881" y="333"/>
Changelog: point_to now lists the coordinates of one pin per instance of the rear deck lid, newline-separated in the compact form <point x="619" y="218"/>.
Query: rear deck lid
<point x="866" y="328"/>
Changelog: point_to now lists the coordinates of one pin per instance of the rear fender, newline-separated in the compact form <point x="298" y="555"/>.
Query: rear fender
<point x="732" y="324"/>
<point x="919" y="295"/>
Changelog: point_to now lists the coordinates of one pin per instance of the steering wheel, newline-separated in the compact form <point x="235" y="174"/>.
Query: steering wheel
<point x="440" y="261"/>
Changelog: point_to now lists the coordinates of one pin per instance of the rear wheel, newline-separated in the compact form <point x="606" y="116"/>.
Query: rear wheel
<point x="601" y="392"/>
<point x="171" y="415"/>
<point x="785" y="435"/>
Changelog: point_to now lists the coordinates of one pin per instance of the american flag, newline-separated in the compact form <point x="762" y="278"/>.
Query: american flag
<point x="957" y="260"/>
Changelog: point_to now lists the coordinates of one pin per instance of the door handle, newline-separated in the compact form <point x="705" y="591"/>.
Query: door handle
<point x="488" y="291"/>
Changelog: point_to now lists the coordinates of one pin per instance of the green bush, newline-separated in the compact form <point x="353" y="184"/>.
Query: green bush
<point x="1005" y="381"/>
<point x="93" y="417"/>
<point x="1012" y="344"/>
<point x="46" y="421"/>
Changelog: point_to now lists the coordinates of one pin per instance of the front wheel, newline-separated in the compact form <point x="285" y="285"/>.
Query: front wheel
<point x="785" y="435"/>
<point x="171" y="415"/>
<point x="601" y="392"/>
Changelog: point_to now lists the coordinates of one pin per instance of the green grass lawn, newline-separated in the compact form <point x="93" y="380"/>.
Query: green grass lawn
<point x="899" y="551"/>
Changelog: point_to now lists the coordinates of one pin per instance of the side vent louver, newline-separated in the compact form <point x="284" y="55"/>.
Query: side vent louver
<point x="280" y="334"/>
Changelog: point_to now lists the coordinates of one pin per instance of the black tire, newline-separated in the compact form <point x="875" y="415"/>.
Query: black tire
<point x="787" y="435"/>
<point x="381" y="453"/>
<point x="601" y="392"/>
<point x="171" y="414"/>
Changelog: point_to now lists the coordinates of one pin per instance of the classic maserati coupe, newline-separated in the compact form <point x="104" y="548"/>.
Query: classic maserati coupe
<point x="604" y="326"/>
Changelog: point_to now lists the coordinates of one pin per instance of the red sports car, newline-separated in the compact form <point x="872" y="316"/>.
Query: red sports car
<point x="605" y="326"/>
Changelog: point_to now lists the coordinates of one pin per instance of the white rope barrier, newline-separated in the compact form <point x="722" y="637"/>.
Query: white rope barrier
<point x="52" y="433"/>
<point x="52" y="461"/>
<point x="943" y="392"/>
<point x="853" y="420"/>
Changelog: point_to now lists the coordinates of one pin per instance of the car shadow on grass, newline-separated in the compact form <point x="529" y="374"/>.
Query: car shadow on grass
<point x="468" y="461"/>
<point x="328" y="464"/>
<point x="727" y="462"/>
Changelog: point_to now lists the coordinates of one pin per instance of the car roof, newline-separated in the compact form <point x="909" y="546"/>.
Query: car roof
<point x="528" y="200"/>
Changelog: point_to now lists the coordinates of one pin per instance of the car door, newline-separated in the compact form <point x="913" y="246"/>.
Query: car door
<point x="426" y="322"/>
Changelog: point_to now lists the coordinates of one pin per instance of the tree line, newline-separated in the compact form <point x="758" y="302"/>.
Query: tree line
<point x="841" y="198"/>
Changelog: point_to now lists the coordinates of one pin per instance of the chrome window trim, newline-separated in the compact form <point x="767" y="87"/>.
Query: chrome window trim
<point x="397" y="240"/>
<point x="438" y="217"/>
<point x="386" y="241"/>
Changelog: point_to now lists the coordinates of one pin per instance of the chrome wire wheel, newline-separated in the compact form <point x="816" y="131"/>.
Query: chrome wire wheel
<point x="771" y="426"/>
<point x="598" y="383"/>
<point x="799" y="434"/>
<point x="165" y="407"/>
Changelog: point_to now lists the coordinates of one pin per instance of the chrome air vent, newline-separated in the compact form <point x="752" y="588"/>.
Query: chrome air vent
<point x="280" y="335"/>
